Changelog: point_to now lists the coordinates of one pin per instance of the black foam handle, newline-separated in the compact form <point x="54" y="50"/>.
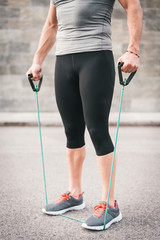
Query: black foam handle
<point x="120" y="64"/>
<point x="32" y="84"/>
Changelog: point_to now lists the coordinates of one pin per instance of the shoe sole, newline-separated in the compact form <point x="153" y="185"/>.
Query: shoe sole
<point x="79" y="207"/>
<point x="114" y="220"/>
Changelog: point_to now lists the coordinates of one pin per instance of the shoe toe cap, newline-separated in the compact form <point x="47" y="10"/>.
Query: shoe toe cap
<point x="93" y="221"/>
<point x="50" y="207"/>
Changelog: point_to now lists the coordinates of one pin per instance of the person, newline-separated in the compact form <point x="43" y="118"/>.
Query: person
<point x="84" y="86"/>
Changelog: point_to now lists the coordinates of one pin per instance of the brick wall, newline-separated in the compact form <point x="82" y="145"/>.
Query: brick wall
<point x="20" y="26"/>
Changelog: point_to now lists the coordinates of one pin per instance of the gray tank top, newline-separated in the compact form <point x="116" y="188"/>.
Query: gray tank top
<point x="83" y="25"/>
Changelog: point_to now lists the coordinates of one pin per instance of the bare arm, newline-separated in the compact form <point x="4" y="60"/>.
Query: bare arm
<point x="134" y="22"/>
<point x="46" y="42"/>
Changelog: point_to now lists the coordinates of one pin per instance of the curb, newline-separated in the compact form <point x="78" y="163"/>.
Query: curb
<point x="49" y="119"/>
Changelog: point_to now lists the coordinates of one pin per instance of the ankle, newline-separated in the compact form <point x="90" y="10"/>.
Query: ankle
<point x="111" y="201"/>
<point x="111" y="204"/>
<point x="75" y="192"/>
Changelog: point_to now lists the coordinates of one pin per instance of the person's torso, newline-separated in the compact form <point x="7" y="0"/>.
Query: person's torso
<point x="83" y="25"/>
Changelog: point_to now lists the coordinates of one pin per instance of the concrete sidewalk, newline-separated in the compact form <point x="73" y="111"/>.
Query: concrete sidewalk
<point x="54" y="119"/>
<point x="22" y="190"/>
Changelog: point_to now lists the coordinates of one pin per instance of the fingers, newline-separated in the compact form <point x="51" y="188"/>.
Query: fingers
<point x="131" y="62"/>
<point x="36" y="75"/>
<point x="128" y="68"/>
<point x="119" y="60"/>
<point x="35" y="70"/>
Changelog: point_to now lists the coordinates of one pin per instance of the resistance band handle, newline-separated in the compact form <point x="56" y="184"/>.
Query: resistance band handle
<point x="32" y="84"/>
<point x="120" y="64"/>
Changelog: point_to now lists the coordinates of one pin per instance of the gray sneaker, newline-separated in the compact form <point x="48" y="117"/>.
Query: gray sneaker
<point x="64" y="204"/>
<point x="96" y="221"/>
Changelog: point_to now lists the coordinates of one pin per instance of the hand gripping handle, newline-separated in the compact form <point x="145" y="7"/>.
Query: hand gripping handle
<point x="120" y="64"/>
<point x="37" y="88"/>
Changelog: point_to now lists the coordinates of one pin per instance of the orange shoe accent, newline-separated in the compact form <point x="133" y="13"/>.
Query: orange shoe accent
<point x="99" y="210"/>
<point x="63" y="197"/>
<point x="115" y="204"/>
<point x="78" y="196"/>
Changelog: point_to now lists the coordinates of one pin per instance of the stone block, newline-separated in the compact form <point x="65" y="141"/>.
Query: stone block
<point x="4" y="3"/>
<point x="7" y="36"/>
<point x="3" y="59"/>
<point x="117" y="25"/>
<point x="6" y="104"/>
<point x="150" y="55"/>
<point x="19" y="24"/>
<point x="18" y="69"/>
<point x="3" y="12"/>
<point x="39" y="13"/>
<point x="40" y="3"/>
<point x="31" y="35"/>
<point x="150" y="13"/>
<point x="145" y="105"/>
<point x="35" y="17"/>
<point x="25" y="14"/>
<point x="145" y="70"/>
<point x="3" y="47"/>
<point x="3" y="23"/>
<point x="15" y="47"/>
<point x="7" y="12"/>
<point x="3" y="36"/>
<point x="12" y="81"/>
<point x="19" y="3"/>
<point x="120" y="36"/>
<point x="152" y="24"/>
<point x="3" y="69"/>
<point x="119" y="13"/>
<point x="18" y="59"/>
<point x="150" y="3"/>
<point x="150" y="37"/>
<point x="13" y="12"/>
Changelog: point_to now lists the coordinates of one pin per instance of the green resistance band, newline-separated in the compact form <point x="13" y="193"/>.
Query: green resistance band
<point x="36" y="89"/>
<point x="115" y="145"/>
<point x="40" y="135"/>
<point x="124" y="82"/>
<point x="44" y="177"/>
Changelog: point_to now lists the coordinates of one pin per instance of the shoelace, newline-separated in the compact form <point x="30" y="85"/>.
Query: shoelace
<point x="99" y="210"/>
<point x="63" y="197"/>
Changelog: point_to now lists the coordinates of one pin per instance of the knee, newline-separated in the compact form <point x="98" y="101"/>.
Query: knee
<point x="96" y="134"/>
<point x="75" y="136"/>
<point x="101" y="140"/>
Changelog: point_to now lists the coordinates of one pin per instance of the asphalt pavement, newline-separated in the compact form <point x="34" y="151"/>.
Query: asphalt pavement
<point x="22" y="190"/>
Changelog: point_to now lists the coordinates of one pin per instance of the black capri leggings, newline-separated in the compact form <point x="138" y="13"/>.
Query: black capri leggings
<point x="84" y="85"/>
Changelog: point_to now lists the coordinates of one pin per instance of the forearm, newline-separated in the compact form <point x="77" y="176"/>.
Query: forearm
<point x="46" y="42"/>
<point x="134" y="22"/>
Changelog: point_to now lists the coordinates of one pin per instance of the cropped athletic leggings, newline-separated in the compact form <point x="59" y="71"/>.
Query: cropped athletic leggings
<point x="84" y="85"/>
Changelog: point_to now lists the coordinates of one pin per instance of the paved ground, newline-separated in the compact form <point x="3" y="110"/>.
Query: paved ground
<point x="22" y="193"/>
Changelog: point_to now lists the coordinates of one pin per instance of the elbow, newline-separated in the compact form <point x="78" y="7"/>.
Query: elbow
<point x="52" y="24"/>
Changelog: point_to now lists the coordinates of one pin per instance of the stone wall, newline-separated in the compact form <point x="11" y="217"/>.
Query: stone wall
<point x="20" y="27"/>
